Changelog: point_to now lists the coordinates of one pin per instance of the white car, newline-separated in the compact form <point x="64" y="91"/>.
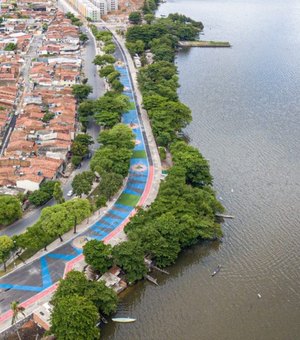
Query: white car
<point x="70" y="193"/>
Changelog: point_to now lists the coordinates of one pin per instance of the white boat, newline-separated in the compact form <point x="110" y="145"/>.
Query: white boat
<point x="123" y="319"/>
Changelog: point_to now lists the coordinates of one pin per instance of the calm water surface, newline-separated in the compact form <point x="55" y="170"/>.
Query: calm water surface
<point x="246" y="109"/>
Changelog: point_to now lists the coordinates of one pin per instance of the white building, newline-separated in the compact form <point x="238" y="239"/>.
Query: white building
<point x="112" y="5"/>
<point x="102" y="5"/>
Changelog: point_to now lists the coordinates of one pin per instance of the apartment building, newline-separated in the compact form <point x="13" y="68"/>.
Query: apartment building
<point x="94" y="9"/>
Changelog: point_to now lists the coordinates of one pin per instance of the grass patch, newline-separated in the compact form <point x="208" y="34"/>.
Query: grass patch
<point x="139" y="154"/>
<point x="131" y="106"/>
<point x="129" y="200"/>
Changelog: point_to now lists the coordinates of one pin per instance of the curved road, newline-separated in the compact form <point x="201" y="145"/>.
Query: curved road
<point x="37" y="279"/>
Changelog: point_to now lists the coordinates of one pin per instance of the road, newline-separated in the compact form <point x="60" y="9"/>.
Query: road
<point x="97" y="83"/>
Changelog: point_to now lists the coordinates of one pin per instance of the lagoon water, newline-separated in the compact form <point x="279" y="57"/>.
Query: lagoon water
<point x="246" y="121"/>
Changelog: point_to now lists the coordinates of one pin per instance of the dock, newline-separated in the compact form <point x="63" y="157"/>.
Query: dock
<point x="201" y="43"/>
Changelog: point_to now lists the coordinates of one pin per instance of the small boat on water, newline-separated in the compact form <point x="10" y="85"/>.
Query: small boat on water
<point x="123" y="319"/>
<point x="216" y="271"/>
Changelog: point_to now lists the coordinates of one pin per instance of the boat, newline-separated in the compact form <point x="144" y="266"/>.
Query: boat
<point x="217" y="270"/>
<point x="123" y="319"/>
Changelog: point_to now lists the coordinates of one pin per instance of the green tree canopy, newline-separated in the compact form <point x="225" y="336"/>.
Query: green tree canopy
<point x="98" y="255"/>
<point x="130" y="257"/>
<point x="82" y="183"/>
<point x="6" y="246"/>
<point x="107" y="119"/>
<point x="149" y="18"/>
<point x="81" y="91"/>
<point x="83" y="37"/>
<point x="135" y="47"/>
<point x="75" y="317"/>
<point x="106" y="70"/>
<point x="76" y="284"/>
<point x="10" y="47"/>
<point x="111" y="159"/>
<point x="101" y="60"/>
<point x="109" y="48"/>
<point x="112" y="102"/>
<point x="135" y="17"/>
<point x="110" y="184"/>
<point x="197" y="167"/>
<point x="58" y="193"/>
<point x="10" y="209"/>
<point x="120" y="136"/>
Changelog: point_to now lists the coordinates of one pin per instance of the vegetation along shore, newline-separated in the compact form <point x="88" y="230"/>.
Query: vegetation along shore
<point x="185" y="208"/>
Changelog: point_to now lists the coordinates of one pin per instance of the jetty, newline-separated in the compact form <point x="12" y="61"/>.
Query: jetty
<point x="151" y="279"/>
<point x="201" y="43"/>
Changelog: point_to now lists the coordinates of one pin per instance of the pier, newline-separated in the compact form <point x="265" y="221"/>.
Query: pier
<point x="198" y="43"/>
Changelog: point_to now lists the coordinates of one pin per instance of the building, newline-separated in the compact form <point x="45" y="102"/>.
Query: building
<point x="102" y="5"/>
<point x="94" y="9"/>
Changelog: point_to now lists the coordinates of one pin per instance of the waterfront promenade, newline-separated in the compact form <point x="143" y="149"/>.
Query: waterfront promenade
<point x="33" y="284"/>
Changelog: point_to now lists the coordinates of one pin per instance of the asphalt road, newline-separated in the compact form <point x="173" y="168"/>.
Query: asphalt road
<point x="93" y="129"/>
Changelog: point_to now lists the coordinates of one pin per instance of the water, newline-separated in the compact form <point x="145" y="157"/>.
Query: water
<point x="246" y="121"/>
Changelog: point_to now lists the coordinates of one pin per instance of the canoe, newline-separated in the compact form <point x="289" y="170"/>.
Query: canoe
<point x="217" y="270"/>
<point x="123" y="319"/>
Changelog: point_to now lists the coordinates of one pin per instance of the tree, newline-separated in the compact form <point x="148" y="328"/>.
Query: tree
<point x="10" y="47"/>
<point x="98" y="255"/>
<point x="120" y="136"/>
<point x="6" y="246"/>
<point x="85" y="110"/>
<point x="75" y="317"/>
<point x="130" y="257"/>
<point x="117" y="86"/>
<point x="109" y="48"/>
<point x="135" y="18"/>
<point x="56" y="221"/>
<point x="80" y="209"/>
<point x="81" y="91"/>
<point x="84" y="139"/>
<point x="106" y="70"/>
<point x="76" y="284"/>
<point x="83" y="37"/>
<point x="111" y="159"/>
<point x="112" y="76"/>
<point x="101" y="60"/>
<point x="35" y="238"/>
<point x="135" y="47"/>
<point x="76" y="160"/>
<point x="110" y="184"/>
<point x="16" y="309"/>
<point x="58" y="193"/>
<point x="47" y="117"/>
<point x="197" y="167"/>
<point x="82" y="183"/>
<point x="79" y="149"/>
<point x="149" y="18"/>
<point x="112" y="102"/>
<point x="107" y="119"/>
<point x="43" y="195"/>
<point x="10" y="209"/>
<point x="104" y="298"/>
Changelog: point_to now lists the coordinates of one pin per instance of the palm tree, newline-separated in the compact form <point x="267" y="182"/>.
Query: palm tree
<point x="16" y="309"/>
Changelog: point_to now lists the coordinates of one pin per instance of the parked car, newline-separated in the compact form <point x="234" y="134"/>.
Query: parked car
<point x="70" y="193"/>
